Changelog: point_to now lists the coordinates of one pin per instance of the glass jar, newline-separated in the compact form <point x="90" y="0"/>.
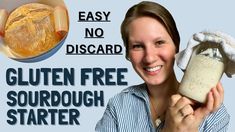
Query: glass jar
<point x="203" y="72"/>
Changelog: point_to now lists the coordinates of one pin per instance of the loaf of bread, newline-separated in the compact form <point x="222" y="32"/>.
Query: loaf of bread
<point x="30" y="30"/>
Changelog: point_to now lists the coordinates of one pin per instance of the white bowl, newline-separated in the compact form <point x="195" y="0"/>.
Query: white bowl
<point x="10" y="5"/>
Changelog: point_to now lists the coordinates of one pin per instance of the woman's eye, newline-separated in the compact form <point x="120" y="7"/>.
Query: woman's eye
<point x="160" y="42"/>
<point x="137" y="46"/>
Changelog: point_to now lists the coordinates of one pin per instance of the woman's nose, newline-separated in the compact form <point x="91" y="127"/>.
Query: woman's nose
<point x="150" y="55"/>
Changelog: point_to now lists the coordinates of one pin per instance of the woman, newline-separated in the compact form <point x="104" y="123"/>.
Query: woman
<point x="152" y="40"/>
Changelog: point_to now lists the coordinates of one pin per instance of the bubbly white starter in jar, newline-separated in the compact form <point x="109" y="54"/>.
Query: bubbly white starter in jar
<point x="202" y="74"/>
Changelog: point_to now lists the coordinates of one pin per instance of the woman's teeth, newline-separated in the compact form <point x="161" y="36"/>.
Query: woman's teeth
<point x="152" y="69"/>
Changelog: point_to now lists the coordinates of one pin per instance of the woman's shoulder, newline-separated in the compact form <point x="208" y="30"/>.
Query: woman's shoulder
<point x="129" y="94"/>
<point x="134" y="88"/>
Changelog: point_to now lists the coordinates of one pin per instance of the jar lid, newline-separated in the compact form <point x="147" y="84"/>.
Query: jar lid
<point x="211" y="52"/>
<point x="225" y="42"/>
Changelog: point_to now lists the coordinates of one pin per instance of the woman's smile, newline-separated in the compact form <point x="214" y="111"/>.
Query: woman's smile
<point x="153" y="70"/>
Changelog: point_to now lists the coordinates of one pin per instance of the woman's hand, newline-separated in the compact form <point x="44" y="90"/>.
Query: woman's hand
<point x="181" y="116"/>
<point x="216" y="96"/>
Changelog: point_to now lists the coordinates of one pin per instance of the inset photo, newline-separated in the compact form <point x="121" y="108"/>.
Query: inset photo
<point x="32" y="30"/>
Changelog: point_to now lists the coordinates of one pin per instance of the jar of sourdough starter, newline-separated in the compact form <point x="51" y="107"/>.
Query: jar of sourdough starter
<point x="203" y="71"/>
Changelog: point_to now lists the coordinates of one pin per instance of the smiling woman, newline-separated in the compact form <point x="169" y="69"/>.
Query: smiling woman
<point x="151" y="39"/>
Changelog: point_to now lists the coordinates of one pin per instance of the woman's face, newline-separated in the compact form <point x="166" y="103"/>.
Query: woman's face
<point x="151" y="50"/>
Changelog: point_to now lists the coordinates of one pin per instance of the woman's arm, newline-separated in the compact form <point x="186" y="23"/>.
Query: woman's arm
<point x="108" y="122"/>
